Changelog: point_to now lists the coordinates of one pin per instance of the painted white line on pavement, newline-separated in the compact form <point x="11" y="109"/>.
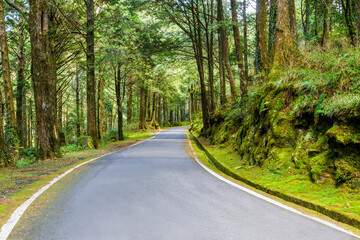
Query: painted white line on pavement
<point x="269" y="199"/>
<point x="15" y="217"/>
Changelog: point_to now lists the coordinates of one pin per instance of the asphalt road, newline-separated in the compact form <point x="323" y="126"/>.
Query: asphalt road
<point x="156" y="191"/>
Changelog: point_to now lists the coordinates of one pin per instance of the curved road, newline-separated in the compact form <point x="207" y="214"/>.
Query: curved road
<point x="156" y="191"/>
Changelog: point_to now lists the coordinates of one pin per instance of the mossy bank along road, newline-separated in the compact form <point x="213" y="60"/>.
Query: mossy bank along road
<point x="155" y="190"/>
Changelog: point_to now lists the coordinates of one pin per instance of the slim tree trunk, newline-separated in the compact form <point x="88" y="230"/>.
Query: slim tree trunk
<point x="234" y="92"/>
<point x="210" y="53"/>
<point x="349" y="19"/>
<point x="239" y="54"/>
<point x="129" y="104"/>
<point x="6" y="69"/>
<point x="222" y="50"/>
<point x="90" y="62"/>
<point x="3" y="148"/>
<point x="143" y="108"/>
<point x="198" y="50"/>
<point x="119" y="102"/>
<point x="325" y="36"/>
<point x="100" y="105"/>
<point x="21" y="96"/>
<point x="246" y="52"/>
<point x="261" y="62"/>
<point x="77" y="90"/>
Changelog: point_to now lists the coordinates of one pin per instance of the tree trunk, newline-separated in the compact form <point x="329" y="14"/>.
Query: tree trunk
<point x="198" y="50"/>
<point x="348" y="15"/>
<point x="21" y="95"/>
<point x="6" y="70"/>
<point x="119" y="102"/>
<point x="281" y="45"/>
<point x="234" y="92"/>
<point x="246" y="52"/>
<point x="43" y="81"/>
<point x="77" y="90"/>
<point x="316" y="20"/>
<point x="222" y="50"/>
<point x="3" y="148"/>
<point x="164" y="110"/>
<point x="100" y="105"/>
<point x="30" y="124"/>
<point x="210" y="54"/>
<point x="261" y="62"/>
<point x="325" y="36"/>
<point x="239" y="54"/>
<point x="306" y="22"/>
<point x="292" y="19"/>
<point x="143" y="108"/>
<point x="129" y="104"/>
<point x="90" y="63"/>
<point x="158" y="117"/>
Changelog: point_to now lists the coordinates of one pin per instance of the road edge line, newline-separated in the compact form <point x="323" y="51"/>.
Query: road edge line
<point x="17" y="214"/>
<point x="276" y="203"/>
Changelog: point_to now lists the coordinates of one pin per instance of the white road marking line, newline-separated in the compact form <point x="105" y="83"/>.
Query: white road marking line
<point x="324" y="222"/>
<point x="15" y="217"/>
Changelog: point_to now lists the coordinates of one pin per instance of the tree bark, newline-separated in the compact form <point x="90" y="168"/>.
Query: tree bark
<point x="234" y="92"/>
<point x="6" y="70"/>
<point x="43" y="81"/>
<point x="129" y="103"/>
<point x="143" y="108"/>
<point x="198" y="50"/>
<point x="100" y="105"/>
<point x="281" y="45"/>
<point x="90" y="63"/>
<point x="222" y="50"/>
<point x="292" y="19"/>
<point x="210" y="52"/>
<point x="246" y="52"/>
<point x="3" y="148"/>
<point x="349" y="19"/>
<point x="239" y="54"/>
<point x="21" y="96"/>
<point x="77" y="99"/>
<point x="325" y="36"/>
<point x="119" y="102"/>
<point x="261" y="62"/>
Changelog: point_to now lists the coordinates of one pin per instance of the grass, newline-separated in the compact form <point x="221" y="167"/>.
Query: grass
<point x="19" y="183"/>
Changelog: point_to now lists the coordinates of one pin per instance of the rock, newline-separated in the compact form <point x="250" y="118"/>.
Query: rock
<point x="344" y="134"/>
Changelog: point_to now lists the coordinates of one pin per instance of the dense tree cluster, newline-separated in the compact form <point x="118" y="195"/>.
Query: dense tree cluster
<point x="94" y="67"/>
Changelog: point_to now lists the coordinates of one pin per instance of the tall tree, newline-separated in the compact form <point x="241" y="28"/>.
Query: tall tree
<point x="21" y="93"/>
<point x="326" y="24"/>
<point x="239" y="54"/>
<point x="246" y="50"/>
<point x="42" y="78"/>
<point x="261" y="61"/>
<point x="6" y="70"/>
<point x="90" y="63"/>
<point x="281" y="44"/>
<point x="292" y="17"/>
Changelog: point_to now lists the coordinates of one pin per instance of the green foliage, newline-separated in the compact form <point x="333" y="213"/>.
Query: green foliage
<point x="72" y="148"/>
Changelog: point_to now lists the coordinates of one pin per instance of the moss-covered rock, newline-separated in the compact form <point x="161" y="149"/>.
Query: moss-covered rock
<point x="344" y="134"/>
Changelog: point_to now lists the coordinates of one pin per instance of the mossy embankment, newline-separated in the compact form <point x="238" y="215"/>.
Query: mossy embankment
<point x="299" y="131"/>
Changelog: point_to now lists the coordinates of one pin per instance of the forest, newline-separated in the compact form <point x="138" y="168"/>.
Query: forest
<point x="275" y="79"/>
